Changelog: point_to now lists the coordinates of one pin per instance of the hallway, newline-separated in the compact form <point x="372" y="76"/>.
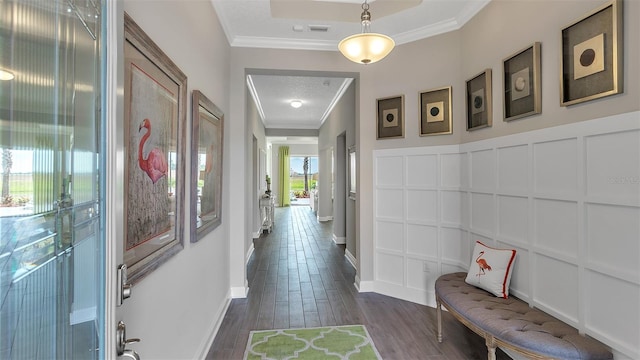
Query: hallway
<point x="299" y="278"/>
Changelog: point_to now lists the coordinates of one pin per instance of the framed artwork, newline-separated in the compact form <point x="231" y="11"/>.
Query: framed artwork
<point x="435" y="111"/>
<point x="592" y="60"/>
<point x="390" y="117"/>
<point x="352" y="172"/>
<point x="207" y="133"/>
<point x="521" y="75"/>
<point x="154" y="129"/>
<point x="479" y="104"/>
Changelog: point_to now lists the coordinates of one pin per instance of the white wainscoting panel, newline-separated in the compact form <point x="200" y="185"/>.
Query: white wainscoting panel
<point x="450" y="170"/>
<point x="513" y="219"/>
<point x="422" y="171"/>
<point x="391" y="204"/>
<point x="513" y="168"/>
<point x="556" y="226"/>
<point x="390" y="235"/>
<point x="390" y="171"/>
<point x="612" y="165"/>
<point x="422" y="205"/>
<point x="567" y="198"/>
<point x="606" y="321"/>
<point x="612" y="239"/>
<point x="555" y="165"/>
<point x="483" y="170"/>
<point x="422" y="240"/>
<point x="482" y="213"/>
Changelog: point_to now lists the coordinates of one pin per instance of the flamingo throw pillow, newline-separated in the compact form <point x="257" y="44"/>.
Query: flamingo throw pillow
<point x="491" y="269"/>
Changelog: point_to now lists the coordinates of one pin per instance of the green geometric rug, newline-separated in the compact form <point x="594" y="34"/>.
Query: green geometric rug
<point x="331" y="342"/>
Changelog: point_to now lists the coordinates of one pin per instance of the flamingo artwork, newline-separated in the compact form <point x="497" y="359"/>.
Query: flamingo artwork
<point x="155" y="165"/>
<point x="482" y="264"/>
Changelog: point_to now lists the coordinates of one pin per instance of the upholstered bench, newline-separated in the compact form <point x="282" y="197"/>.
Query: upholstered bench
<point x="512" y="324"/>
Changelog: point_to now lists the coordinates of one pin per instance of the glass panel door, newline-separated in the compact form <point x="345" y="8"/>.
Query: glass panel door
<point x="51" y="243"/>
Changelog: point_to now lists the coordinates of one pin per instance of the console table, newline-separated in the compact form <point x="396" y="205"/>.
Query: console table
<point x="266" y="212"/>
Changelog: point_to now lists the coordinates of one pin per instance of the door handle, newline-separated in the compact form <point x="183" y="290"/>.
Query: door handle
<point x="122" y="341"/>
<point x="123" y="290"/>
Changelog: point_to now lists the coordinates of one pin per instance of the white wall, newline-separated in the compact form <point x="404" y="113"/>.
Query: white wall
<point x="175" y="309"/>
<point x="566" y="198"/>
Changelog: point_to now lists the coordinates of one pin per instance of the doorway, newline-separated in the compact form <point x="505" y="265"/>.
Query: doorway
<point x="303" y="178"/>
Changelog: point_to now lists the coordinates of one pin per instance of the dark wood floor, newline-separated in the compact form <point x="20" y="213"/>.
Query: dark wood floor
<point x="299" y="278"/>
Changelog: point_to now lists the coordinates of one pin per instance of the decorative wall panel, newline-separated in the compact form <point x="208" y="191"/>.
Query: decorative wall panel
<point x="452" y="207"/>
<point x="483" y="170"/>
<point x="422" y="170"/>
<point x="422" y="240"/>
<point x="555" y="288"/>
<point x="482" y="213"/>
<point x="390" y="204"/>
<point x="612" y="166"/>
<point x="555" y="165"/>
<point x="513" y="219"/>
<point x="556" y="226"/>
<point x="422" y="205"/>
<point x="613" y="238"/>
<point x="566" y="198"/>
<point x="390" y="235"/>
<point x="618" y="324"/>
<point x="450" y="170"/>
<point x="390" y="171"/>
<point x="390" y="268"/>
<point x="513" y="168"/>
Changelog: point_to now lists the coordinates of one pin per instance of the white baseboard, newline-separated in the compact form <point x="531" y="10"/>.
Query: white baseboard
<point x="213" y="331"/>
<point x="350" y="258"/>
<point x="363" y="286"/>
<point x="239" y="292"/>
<point x="340" y="240"/>
<point x="325" y="218"/>
<point x="256" y="234"/>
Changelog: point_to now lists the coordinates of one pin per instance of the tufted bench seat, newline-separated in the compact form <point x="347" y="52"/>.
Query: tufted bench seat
<point x="512" y="324"/>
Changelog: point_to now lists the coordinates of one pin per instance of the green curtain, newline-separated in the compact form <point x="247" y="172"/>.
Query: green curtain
<point x="283" y="173"/>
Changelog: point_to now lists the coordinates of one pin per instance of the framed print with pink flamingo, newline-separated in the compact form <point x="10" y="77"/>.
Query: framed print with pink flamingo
<point x="154" y="170"/>
<point x="207" y="128"/>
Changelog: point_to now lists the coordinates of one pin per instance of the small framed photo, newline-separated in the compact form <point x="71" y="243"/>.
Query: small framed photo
<point x="390" y="117"/>
<point x="352" y="172"/>
<point x="435" y="112"/>
<point x="592" y="56"/>
<point x="521" y="73"/>
<point x="479" y="104"/>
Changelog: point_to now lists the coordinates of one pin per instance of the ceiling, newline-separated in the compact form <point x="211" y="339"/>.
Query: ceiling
<point x="320" y="25"/>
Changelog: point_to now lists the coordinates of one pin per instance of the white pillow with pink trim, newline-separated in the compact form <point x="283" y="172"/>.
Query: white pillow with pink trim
<point x="491" y="269"/>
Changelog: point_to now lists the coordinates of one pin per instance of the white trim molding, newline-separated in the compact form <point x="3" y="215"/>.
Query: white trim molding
<point x="340" y="240"/>
<point x="325" y="218"/>
<point x="352" y="259"/>
<point x="215" y="327"/>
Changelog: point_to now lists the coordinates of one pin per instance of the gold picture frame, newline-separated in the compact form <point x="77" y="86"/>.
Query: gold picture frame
<point x="155" y="94"/>
<point x="591" y="60"/>
<point x="435" y="112"/>
<point x="390" y="124"/>
<point x="479" y="101"/>
<point x="207" y="136"/>
<point x="521" y="80"/>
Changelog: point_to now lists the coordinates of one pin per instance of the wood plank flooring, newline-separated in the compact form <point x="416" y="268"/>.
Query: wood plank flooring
<point x="299" y="278"/>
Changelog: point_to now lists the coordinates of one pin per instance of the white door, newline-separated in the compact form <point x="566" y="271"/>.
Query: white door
<point x="52" y="209"/>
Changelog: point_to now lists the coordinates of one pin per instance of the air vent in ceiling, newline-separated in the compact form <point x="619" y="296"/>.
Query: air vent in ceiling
<point x="319" y="28"/>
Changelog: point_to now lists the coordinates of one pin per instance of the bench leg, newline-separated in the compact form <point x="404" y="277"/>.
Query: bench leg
<point x="439" y="316"/>
<point x="491" y="347"/>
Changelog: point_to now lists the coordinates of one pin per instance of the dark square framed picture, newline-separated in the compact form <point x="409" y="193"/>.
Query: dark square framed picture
<point x="521" y="74"/>
<point x="435" y="112"/>
<point x="592" y="60"/>
<point x="479" y="104"/>
<point x="390" y="117"/>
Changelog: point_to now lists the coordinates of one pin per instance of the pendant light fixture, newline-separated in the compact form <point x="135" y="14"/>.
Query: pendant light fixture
<point x="366" y="47"/>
